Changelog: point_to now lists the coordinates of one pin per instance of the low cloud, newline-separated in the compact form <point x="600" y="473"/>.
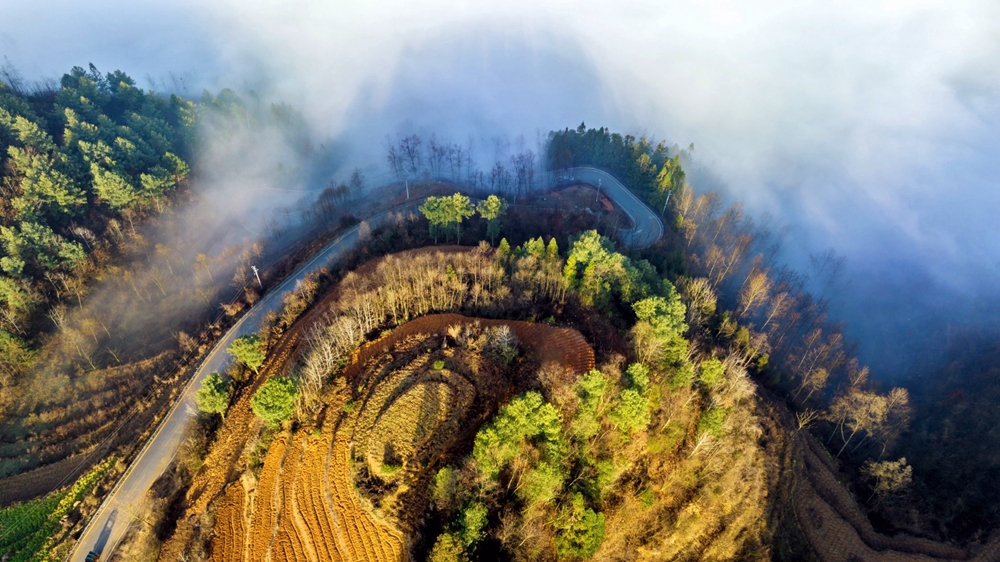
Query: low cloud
<point x="871" y="128"/>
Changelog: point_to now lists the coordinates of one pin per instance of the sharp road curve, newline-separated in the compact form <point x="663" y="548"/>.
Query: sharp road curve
<point x="647" y="226"/>
<point x="123" y="503"/>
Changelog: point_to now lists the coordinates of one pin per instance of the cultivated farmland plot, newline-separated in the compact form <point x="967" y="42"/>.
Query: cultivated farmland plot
<point x="355" y="487"/>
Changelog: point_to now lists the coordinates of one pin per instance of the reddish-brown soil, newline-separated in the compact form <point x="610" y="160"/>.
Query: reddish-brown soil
<point x="229" y="544"/>
<point x="543" y="343"/>
<point x="266" y="501"/>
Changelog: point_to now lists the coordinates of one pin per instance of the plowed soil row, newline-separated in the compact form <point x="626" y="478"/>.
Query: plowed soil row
<point x="289" y="543"/>
<point x="302" y="511"/>
<point x="267" y="501"/>
<point x="229" y="544"/>
<point x="363" y="536"/>
<point x="311" y="498"/>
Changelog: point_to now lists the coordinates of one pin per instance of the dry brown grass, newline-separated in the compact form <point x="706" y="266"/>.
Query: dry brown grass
<point x="837" y="529"/>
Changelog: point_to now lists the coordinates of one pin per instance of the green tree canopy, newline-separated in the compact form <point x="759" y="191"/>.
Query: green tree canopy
<point x="471" y="523"/>
<point x="445" y="487"/>
<point x="591" y="389"/>
<point x="666" y="314"/>
<point x="445" y="214"/>
<point x="630" y="414"/>
<point x="448" y="548"/>
<point x="249" y="350"/>
<point x="662" y="320"/>
<point x="580" y="530"/>
<point x="274" y="401"/>
<point x="15" y="303"/>
<point x="636" y="162"/>
<point x="712" y="421"/>
<point x="670" y="178"/>
<point x="460" y="208"/>
<point x="525" y="418"/>
<point x="45" y="190"/>
<point x="712" y="372"/>
<point x="638" y="376"/>
<point x="34" y="246"/>
<point x="597" y="272"/>
<point x="213" y="396"/>
<point x="491" y="209"/>
<point x="15" y="357"/>
<point x="119" y="146"/>
<point x="435" y="212"/>
<point x="113" y="188"/>
<point x="504" y="248"/>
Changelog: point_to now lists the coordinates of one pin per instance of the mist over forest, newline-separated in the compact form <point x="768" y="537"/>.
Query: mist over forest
<point x="867" y="128"/>
<point x="760" y="322"/>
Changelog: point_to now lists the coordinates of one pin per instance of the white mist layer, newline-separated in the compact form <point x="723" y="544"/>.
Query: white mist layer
<point x="868" y="127"/>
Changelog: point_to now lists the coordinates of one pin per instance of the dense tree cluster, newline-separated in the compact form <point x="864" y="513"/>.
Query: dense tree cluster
<point x="76" y="158"/>
<point x="780" y="329"/>
<point x="76" y="161"/>
<point x="248" y="349"/>
<point x="491" y="209"/>
<point x="555" y="474"/>
<point x="446" y="214"/>
<point x="781" y="326"/>
<point x="600" y="275"/>
<point x="653" y="172"/>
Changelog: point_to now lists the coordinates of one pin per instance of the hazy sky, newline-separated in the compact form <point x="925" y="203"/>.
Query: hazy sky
<point x="870" y="127"/>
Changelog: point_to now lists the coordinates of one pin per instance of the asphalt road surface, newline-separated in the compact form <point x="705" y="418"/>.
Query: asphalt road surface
<point x="122" y="505"/>
<point x="648" y="228"/>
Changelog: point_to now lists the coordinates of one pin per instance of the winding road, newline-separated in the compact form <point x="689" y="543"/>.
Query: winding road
<point x="124" y="502"/>
<point x="647" y="226"/>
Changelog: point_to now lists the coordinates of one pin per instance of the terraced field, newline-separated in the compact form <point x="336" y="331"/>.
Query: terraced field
<point x="219" y="464"/>
<point x="230" y="529"/>
<point x="355" y="486"/>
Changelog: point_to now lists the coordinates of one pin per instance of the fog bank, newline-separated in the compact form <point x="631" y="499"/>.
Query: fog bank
<point x="869" y="128"/>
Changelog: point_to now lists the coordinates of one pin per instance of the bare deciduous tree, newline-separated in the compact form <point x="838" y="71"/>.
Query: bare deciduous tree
<point x="394" y="158"/>
<point x="409" y="149"/>
<point x="891" y="477"/>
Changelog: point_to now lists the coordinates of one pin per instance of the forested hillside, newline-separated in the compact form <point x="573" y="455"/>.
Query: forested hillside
<point x="117" y="271"/>
<point x="934" y="480"/>
<point x="77" y="163"/>
<point x="725" y="416"/>
<point x="653" y="172"/>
